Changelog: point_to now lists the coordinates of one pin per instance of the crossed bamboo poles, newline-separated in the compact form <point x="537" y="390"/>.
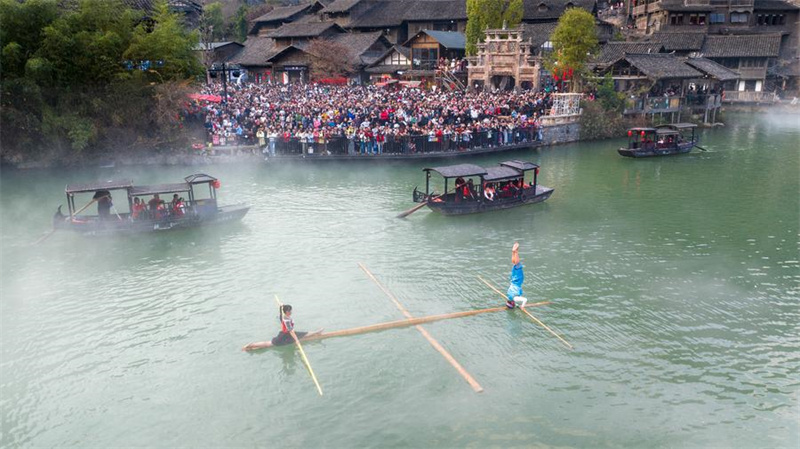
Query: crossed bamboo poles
<point x="416" y="322"/>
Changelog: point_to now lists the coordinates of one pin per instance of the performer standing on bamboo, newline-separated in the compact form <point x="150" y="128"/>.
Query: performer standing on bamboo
<point x="516" y="278"/>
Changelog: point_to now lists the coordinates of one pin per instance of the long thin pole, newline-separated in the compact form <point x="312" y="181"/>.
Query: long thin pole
<point x="527" y="313"/>
<point x="302" y="353"/>
<point x="470" y="380"/>
<point x="388" y="325"/>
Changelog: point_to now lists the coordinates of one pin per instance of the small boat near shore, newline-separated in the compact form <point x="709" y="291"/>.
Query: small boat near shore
<point x="478" y="189"/>
<point x="146" y="211"/>
<point x="663" y="140"/>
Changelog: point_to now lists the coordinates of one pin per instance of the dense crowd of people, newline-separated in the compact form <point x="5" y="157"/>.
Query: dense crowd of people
<point x="368" y="116"/>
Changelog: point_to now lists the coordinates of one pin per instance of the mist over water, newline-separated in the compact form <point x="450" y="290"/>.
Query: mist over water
<point x="677" y="280"/>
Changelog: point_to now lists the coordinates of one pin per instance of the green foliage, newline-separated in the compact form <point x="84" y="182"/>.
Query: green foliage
<point x="213" y="18"/>
<point x="64" y="85"/>
<point x="574" y="42"/>
<point x="483" y="14"/>
<point x="513" y="13"/>
<point x="597" y="123"/>
<point x="240" y="24"/>
<point x="610" y="99"/>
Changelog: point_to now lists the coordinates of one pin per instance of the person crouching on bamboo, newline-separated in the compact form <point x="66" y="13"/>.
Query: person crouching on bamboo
<point x="517" y="277"/>
<point x="284" y="337"/>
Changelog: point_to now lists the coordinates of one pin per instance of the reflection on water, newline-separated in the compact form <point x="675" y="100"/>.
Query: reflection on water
<point x="676" y="279"/>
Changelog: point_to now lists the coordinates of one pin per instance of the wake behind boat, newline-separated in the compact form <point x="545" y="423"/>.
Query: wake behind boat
<point x="147" y="211"/>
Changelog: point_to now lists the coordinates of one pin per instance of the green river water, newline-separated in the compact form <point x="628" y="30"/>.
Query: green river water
<point x="676" y="279"/>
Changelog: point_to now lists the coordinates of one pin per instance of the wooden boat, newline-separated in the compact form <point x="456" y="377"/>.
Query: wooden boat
<point x="663" y="140"/>
<point x="508" y="178"/>
<point x="199" y="209"/>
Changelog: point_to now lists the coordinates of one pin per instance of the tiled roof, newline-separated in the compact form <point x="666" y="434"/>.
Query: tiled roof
<point x="448" y="39"/>
<point x="394" y="13"/>
<point x="710" y="67"/>
<point x="754" y="45"/>
<point x="685" y="41"/>
<point x="301" y="29"/>
<point x="614" y="51"/>
<point x="662" y="65"/>
<point x="283" y="13"/>
<point x="774" y="5"/>
<point x="538" y="33"/>
<point x="257" y="50"/>
<point x="535" y="10"/>
<point x="341" y="6"/>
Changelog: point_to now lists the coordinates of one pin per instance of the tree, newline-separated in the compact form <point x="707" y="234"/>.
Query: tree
<point x="66" y="90"/>
<point x="512" y="16"/>
<point x="574" y="42"/>
<point x="329" y="59"/>
<point x="493" y="14"/>
<point x="240" y="26"/>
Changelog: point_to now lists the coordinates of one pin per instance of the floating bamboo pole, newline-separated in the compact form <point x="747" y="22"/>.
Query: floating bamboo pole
<point x="390" y="325"/>
<point x="527" y="313"/>
<point x="302" y="353"/>
<point x="470" y="380"/>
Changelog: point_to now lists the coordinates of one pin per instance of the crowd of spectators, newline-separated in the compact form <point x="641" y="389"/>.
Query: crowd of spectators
<point x="367" y="116"/>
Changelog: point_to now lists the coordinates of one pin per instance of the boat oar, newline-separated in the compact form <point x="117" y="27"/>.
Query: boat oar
<point x="700" y="148"/>
<point x="527" y="313"/>
<point x="52" y="231"/>
<point x="300" y="347"/>
<point x="419" y="206"/>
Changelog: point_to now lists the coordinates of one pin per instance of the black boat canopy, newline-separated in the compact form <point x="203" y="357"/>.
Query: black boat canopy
<point x="501" y="173"/>
<point x="160" y="188"/>
<point x="678" y="126"/>
<point x="460" y="170"/>
<point x="100" y="185"/>
<point x="198" y="178"/>
<point x="520" y="165"/>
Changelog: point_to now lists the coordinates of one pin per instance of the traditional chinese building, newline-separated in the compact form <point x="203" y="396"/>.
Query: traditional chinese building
<point x="505" y="60"/>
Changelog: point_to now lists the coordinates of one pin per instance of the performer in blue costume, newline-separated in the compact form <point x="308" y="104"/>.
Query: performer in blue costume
<point x="517" y="277"/>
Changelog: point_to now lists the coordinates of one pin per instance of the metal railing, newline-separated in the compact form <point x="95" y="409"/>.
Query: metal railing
<point x="407" y="145"/>
<point x="750" y="97"/>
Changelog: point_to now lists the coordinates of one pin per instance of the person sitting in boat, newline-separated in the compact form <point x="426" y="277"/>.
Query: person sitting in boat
<point x="488" y="192"/>
<point x="138" y="208"/>
<point x="517" y="277"/>
<point x="177" y="206"/>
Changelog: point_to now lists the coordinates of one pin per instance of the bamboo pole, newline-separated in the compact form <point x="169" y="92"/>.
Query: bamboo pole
<point x="302" y="353"/>
<point x="470" y="380"/>
<point x="388" y="325"/>
<point x="527" y="313"/>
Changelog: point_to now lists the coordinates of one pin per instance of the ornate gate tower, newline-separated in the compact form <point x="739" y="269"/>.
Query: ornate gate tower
<point x="504" y="60"/>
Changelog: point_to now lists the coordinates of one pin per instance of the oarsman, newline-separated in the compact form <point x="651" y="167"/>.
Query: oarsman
<point x="516" y="279"/>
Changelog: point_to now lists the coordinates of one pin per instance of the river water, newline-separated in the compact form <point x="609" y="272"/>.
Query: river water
<point x="676" y="280"/>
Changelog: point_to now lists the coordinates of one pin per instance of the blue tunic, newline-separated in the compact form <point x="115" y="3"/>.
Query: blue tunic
<point x="517" y="278"/>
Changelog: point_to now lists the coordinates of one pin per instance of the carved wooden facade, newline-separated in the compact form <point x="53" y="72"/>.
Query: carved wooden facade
<point x="504" y="53"/>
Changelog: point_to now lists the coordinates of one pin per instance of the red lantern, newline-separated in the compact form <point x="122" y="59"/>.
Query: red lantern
<point x="630" y="133"/>
<point x="537" y="170"/>
<point x="216" y="184"/>
<point x="642" y="133"/>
